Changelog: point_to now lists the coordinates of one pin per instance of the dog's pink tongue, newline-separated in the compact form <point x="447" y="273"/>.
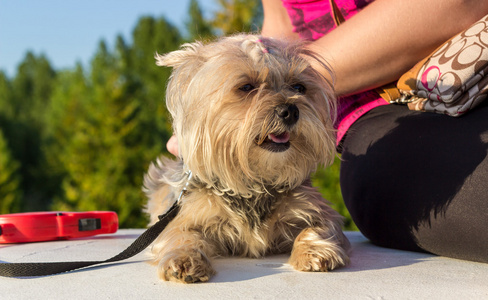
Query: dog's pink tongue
<point x="279" y="139"/>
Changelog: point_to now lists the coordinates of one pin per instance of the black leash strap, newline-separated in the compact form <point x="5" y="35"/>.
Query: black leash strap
<point x="51" y="268"/>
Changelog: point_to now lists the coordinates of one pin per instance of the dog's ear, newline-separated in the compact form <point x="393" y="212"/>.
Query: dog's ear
<point x="174" y="59"/>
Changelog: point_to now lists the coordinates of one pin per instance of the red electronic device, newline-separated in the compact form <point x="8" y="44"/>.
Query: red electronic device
<point x="48" y="226"/>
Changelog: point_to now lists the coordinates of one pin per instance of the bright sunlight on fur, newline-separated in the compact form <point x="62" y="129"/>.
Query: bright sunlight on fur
<point x="253" y="120"/>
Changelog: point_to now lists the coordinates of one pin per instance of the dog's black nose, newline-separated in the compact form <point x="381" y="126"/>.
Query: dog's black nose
<point x="289" y="113"/>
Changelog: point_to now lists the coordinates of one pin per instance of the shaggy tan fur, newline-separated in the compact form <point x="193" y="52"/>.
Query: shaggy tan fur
<point x="250" y="193"/>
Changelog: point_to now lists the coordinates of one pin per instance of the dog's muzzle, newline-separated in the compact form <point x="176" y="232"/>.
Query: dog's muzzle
<point x="279" y="139"/>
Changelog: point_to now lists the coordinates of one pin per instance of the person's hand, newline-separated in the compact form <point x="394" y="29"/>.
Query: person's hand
<point x="172" y="145"/>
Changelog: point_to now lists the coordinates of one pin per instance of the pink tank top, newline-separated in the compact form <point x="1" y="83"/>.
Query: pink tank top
<point x="312" y="19"/>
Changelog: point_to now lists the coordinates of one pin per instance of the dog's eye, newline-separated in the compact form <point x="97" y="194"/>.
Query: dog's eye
<point x="299" y="88"/>
<point x="247" y="87"/>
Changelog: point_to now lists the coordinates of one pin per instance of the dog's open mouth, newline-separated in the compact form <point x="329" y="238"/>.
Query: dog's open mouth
<point x="276" y="142"/>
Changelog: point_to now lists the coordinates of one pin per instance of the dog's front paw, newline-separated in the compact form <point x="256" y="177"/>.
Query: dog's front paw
<point x="313" y="253"/>
<point x="185" y="266"/>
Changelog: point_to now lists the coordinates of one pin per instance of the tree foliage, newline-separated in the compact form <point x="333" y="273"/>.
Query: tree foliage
<point x="81" y="139"/>
<point x="10" y="192"/>
<point x="198" y="27"/>
<point x="107" y="126"/>
<point x="22" y="120"/>
<point x="237" y="16"/>
<point x="327" y="181"/>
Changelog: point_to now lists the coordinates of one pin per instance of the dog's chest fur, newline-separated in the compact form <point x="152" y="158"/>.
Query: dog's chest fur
<point x="244" y="224"/>
<point x="253" y="210"/>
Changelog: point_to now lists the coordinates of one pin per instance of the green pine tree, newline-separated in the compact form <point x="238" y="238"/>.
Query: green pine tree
<point x="10" y="193"/>
<point x="198" y="27"/>
<point x="90" y="130"/>
<point x="153" y="36"/>
<point x="24" y="123"/>
<point x="108" y="126"/>
<point x="6" y="107"/>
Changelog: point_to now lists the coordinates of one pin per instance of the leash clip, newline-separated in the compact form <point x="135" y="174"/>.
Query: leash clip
<point x="174" y="209"/>
<point x="184" y="191"/>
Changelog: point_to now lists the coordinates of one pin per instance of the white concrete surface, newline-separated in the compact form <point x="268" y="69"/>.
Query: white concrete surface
<point x="375" y="273"/>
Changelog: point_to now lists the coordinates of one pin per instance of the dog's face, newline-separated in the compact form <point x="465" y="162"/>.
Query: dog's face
<point x="249" y="113"/>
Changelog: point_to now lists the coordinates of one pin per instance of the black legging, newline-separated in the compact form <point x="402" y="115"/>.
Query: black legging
<point x="419" y="181"/>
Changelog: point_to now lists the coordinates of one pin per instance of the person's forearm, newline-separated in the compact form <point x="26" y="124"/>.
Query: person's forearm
<point x="389" y="36"/>
<point x="276" y="21"/>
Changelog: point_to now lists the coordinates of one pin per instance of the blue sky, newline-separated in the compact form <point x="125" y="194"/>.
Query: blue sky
<point x="67" y="31"/>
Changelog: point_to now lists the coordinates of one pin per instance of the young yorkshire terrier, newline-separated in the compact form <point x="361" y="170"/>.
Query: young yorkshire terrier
<point x="253" y="120"/>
